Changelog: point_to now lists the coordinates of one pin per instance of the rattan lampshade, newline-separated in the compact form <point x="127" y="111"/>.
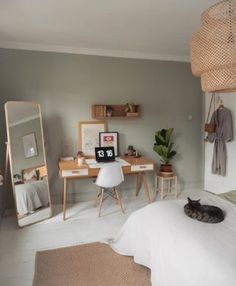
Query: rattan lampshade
<point x="213" y="48"/>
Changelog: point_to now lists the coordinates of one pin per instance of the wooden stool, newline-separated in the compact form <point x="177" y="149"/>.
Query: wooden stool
<point x="171" y="185"/>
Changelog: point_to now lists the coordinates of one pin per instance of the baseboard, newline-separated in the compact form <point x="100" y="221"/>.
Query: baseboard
<point x="84" y="196"/>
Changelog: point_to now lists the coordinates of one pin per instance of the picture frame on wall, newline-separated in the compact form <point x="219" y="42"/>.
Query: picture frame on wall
<point x="30" y="145"/>
<point x="88" y="136"/>
<point x="109" y="139"/>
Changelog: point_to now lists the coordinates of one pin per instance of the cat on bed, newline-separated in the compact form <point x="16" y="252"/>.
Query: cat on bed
<point x="204" y="213"/>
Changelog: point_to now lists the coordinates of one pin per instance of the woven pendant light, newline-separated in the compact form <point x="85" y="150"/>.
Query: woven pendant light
<point x="213" y="48"/>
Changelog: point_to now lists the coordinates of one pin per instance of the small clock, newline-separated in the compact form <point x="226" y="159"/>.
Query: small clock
<point x="105" y="154"/>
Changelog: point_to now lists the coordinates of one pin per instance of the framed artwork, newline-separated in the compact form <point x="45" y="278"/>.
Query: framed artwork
<point x="29" y="145"/>
<point x="89" y="136"/>
<point x="109" y="139"/>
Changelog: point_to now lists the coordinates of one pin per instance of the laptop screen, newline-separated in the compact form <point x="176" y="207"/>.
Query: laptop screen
<point x="105" y="154"/>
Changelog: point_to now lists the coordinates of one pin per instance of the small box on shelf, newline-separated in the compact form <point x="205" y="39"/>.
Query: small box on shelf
<point x="132" y="114"/>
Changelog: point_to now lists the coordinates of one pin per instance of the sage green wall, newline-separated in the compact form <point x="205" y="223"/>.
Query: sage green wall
<point x="66" y="85"/>
<point x="17" y="132"/>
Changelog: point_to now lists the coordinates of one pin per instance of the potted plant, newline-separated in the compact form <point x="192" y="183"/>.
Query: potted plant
<point x="164" y="148"/>
<point x="129" y="107"/>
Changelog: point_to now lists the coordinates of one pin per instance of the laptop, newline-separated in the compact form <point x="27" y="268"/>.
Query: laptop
<point x="104" y="154"/>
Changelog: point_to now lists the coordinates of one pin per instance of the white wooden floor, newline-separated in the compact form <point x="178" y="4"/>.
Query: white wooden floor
<point x="18" y="246"/>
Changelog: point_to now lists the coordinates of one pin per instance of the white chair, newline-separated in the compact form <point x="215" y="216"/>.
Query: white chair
<point x="109" y="177"/>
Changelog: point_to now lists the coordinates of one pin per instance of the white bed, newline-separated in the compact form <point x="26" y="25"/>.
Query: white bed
<point x="181" y="251"/>
<point x="31" y="196"/>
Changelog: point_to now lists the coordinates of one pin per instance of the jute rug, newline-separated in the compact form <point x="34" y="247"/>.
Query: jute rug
<point x="94" y="264"/>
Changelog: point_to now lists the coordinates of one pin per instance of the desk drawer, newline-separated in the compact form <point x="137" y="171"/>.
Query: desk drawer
<point x="146" y="167"/>
<point x="74" y="173"/>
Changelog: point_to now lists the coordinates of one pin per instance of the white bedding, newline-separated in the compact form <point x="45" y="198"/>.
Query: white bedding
<point x="181" y="251"/>
<point x="31" y="196"/>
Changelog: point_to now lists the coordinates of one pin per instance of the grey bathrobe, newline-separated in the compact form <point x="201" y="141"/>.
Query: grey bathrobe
<point x="224" y="133"/>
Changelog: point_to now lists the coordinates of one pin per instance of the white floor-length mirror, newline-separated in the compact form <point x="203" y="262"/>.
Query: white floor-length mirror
<point x="28" y="162"/>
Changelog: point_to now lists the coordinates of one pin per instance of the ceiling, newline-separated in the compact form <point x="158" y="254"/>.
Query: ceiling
<point x="151" y="29"/>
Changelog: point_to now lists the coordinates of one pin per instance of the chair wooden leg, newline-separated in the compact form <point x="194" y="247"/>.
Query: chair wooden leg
<point x="98" y="195"/>
<point x="101" y="201"/>
<point x="115" y="196"/>
<point x="119" y="201"/>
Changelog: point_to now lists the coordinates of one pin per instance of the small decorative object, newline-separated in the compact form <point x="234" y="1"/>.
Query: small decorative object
<point x="105" y="154"/>
<point x="89" y="136"/>
<point x="109" y="139"/>
<point x="29" y="145"/>
<point x="131" y="151"/>
<point x="80" y="158"/>
<point x="17" y="179"/>
<point x="109" y="111"/>
<point x="130" y="109"/>
<point x="204" y="213"/>
<point x="213" y="48"/>
<point x="137" y="155"/>
<point x="163" y="147"/>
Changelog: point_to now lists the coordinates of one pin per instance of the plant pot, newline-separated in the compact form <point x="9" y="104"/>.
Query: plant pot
<point x="166" y="168"/>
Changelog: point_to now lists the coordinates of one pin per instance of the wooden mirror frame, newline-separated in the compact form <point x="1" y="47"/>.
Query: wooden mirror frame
<point x="9" y="156"/>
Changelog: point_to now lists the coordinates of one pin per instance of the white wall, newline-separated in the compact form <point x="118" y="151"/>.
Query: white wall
<point x="216" y="183"/>
<point x="66" y="85"/>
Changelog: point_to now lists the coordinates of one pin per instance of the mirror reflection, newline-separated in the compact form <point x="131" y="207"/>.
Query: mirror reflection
<point x="28" y="162"/>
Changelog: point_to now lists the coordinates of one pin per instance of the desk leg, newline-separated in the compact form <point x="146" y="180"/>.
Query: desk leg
<point x="138" y="183"/>
<point x="64" y="198"/>
<point x="145" y="184"/>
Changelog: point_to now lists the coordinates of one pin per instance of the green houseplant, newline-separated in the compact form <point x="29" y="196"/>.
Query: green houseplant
<point x="164" y="148"/>
<point x="129" y="107"/>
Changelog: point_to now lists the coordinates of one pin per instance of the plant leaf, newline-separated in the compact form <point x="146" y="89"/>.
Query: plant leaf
<point x="168" y="135"/>
<point x="163" y="145"/>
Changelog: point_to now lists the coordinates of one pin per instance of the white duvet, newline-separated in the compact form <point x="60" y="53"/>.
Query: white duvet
<point x="31" y="196"/>
<point x="181" y="251"/>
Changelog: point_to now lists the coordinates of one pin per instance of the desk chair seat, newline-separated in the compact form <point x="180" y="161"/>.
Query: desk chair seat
<point x="109" y="177"/>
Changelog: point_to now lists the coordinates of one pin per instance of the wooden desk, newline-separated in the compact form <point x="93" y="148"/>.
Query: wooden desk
<point x="138" y="167"/>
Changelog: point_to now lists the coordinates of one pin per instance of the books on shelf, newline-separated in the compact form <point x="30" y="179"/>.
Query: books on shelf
<point x="99" y="111"/>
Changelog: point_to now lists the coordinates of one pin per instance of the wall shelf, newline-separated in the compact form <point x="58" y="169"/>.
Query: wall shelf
<point x="100" y="111"/>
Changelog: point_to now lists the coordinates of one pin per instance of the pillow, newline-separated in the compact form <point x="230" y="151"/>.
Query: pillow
<point x="30" y="175"/>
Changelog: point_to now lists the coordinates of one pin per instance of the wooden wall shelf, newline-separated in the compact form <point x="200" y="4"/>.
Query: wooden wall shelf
<point x="100" y="111"/>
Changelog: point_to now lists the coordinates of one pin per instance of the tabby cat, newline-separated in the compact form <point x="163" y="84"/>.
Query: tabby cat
<point x="204" y="213"/>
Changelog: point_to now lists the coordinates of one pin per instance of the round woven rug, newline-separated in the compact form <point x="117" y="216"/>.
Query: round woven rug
<point x="94" y="264"/>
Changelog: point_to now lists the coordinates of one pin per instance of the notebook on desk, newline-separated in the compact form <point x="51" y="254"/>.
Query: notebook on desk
<point x="104" y="154"/>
